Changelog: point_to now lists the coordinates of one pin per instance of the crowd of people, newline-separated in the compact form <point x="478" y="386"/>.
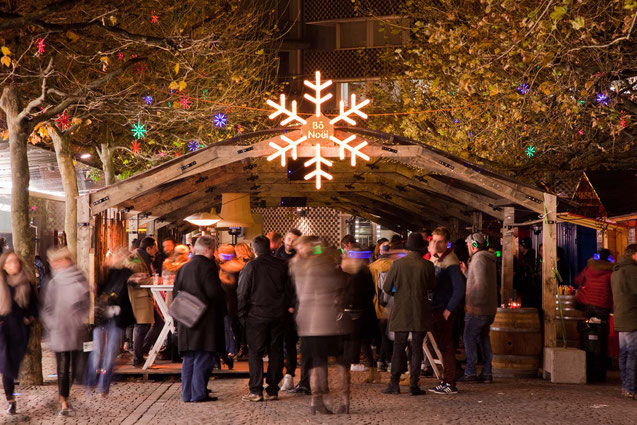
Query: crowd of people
<point x="341" y="303"/>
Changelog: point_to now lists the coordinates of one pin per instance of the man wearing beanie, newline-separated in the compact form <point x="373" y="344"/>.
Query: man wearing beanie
<point x="408" y="280"/>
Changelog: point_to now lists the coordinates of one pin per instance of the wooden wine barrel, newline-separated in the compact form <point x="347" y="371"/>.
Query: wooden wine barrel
<point x="516" y="342"/>
<point x="572" y="317"/>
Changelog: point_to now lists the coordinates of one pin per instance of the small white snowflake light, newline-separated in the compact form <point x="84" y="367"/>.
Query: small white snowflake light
<point x="317" y="130"/>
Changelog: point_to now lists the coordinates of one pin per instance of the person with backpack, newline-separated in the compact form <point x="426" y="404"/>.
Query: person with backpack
<point x="379" y="270"/>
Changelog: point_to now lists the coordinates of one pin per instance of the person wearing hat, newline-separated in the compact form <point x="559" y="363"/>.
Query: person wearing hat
<point x="481" y="304"/>
<point x="408" y="280"/>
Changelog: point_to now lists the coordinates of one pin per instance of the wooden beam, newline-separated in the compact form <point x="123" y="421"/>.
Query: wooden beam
<point x="507" y="254"/>
<point x="549" y="263"/>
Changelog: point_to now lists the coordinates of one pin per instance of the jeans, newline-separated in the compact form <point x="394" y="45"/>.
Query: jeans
<point x="265" y="336"/>
<point x="290" y="339"/>
<point x="106" y="342"/>
<point x="231" y="340"/>
<point x="306" y="367"/>
<point x="444" y="338"/>
<point x="386" y="346"/>
<point x="628" y="360"/>
<point x="144" y="336"/>
<point x="9" y="387"/>
<point x="63" y="361"/>
<point x="476" y="334"/>
<point x="195" y="372"/>
<point x="399" y="356"/>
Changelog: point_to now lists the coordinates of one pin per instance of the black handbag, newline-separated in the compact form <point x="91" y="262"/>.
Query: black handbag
<point x="187" y="309"/>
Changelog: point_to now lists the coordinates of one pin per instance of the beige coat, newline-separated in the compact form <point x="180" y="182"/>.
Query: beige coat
<point x="141" y="299"/>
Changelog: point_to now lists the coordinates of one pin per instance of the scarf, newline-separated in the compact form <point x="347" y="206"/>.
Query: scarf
<point x="22" y="291"/>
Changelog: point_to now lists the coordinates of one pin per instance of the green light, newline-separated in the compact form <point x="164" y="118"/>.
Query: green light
<point x="139" y="130"/>
<point x="530" y="151"/>
<point x="498" y="254"/>
<point x="318" y="250"/>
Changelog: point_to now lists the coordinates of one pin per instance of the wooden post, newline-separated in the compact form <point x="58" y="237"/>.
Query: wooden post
<point x="476" y="221"/>
<point x="507" y="254"/>
<point x="454" y="228"/>
<point x="549" y="262"/>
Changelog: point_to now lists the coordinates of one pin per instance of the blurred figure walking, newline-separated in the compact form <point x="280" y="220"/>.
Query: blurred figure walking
<point x="65" y="313"/>
<point x="18" y="309"/>
<point x="321" y="289"/>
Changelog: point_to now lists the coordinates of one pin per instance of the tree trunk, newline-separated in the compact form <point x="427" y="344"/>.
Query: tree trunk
<point x="69" y="182"/>
<point x="31" y="369"/>
<point x="106" y="156"/>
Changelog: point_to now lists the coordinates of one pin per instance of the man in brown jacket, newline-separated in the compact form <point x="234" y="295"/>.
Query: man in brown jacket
<point x="141" y="299"/>
<point x="408" y="280"/>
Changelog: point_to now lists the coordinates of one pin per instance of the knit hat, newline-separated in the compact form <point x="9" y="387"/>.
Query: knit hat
<point x="415" y="242"/>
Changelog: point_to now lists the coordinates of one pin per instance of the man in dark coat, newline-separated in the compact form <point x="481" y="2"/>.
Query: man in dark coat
<point x="265" y="297"/>
<point x="199" y="344"/>
<point x="408" y="280"/>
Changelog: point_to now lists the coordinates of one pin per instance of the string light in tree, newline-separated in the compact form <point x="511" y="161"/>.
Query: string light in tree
<point x="530" y="151"/>
<point x="120" y="56"/>
<point x="161" y="154"/>
<point x="40" y="46"/>
<point x="602" y="98"/>
<point x="193" y="145"/>
<point x="523" y="88"/>
<point x="154" y="18"/>
<point x="148" y="99"/>
<point x="135" y="147"/>
<point x="139" y="130"/>
<point x="63" y="121"/>
<point x="318" y="129"/>
<point x="185" y="101"/>
<point x="140" y="68"/>
<point x="220" y="120"/>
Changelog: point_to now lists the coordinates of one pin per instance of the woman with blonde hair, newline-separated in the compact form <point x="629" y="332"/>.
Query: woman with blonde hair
<point x="18" y="309"/>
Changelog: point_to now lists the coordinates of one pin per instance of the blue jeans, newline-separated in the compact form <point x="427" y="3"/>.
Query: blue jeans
<point x="231" y="340"/>
<point x="476" y="334"/>
<point x="106" y="343"/>
<point x="195" y="371"/>
<point x="628" y="360"/>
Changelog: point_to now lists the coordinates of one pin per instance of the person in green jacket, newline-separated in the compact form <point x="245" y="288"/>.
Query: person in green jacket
<point x="408" y="280"/>
<point x="623" y="282"/>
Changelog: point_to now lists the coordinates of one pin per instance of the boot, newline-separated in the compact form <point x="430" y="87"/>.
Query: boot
<point x="343" y="377"/>
<point x="318" y="382"/>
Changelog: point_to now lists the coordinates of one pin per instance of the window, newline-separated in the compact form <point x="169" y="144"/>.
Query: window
<point x="353" y="34"/>
<point x="386" y="34"/>
<point x="347" y="89"/>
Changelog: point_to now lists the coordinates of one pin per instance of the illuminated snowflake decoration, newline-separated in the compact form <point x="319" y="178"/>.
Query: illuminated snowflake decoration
<point x="139" y="130"/>
<point x="63" y="121"/>
<point x="220" y="120"/>
<point x="530" y="151"/>
<point x="148" y="99"/>
<point x="40" y="46"/>
<point x="602" y="98"/>
<point x="317" y="130"/>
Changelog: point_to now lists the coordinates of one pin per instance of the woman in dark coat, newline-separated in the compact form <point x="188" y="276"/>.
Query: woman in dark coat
<point x="360" y="307"/>
<point x="18" y="309"/>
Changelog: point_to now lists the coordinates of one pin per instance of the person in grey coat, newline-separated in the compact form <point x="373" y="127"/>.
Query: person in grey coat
<point x="481" y="304"/>
<point x="65" y="313"/>
<point x="408" y="280"/>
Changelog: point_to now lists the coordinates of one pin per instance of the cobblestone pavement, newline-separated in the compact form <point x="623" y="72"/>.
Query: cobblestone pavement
<point x="503" y="402"/>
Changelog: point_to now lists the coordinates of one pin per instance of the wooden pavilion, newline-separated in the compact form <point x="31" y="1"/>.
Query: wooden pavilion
<point x="404" y="186"/>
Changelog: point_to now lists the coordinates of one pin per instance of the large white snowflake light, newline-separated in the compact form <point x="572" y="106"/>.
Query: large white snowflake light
<point x="317" y="130"/>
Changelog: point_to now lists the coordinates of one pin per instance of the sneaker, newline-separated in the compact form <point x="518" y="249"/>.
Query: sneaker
<point x="268" y="397"/>
<point x="485" y="379"/>
<point x="469" y="379"/>
<point x="358" y="368"/>
<point x="288" y="383"/>
<point x="300" y="390"/>
<point x="444" y="388"/>
<point x="252" y="397"/>
<point x="381" y="366"/>
<point x="12" y="408"/>
<point x="628" y="394"/>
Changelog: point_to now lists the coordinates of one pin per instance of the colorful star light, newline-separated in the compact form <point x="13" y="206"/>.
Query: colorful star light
<point x="220" y="120"/>
<point x="40" y="46"/>
<point x="530" y="151"/>
<point x="148" y="99"/>
<point x="140" y="68"/>
<point x="318" y="128"/>
<point x="120" y="56"/>
<point x="193" y="145"/>
<point x="523" y="88"/>
<point x="185" y="101"/>
<point x="154" y="18"/>
<point x="139" y="130"/>
<point x="135" y="147"/>
<point x="63" y="121"/>
<point x="602" y="98"/>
